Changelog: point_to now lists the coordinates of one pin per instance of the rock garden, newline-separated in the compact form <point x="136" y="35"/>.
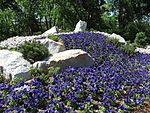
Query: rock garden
<point x="74" y="72"/>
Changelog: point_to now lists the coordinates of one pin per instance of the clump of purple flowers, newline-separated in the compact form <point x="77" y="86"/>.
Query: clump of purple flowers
<point x="116" y="82"/>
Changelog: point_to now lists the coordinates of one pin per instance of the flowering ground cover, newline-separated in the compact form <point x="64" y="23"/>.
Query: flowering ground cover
<point x="116" y="83"/>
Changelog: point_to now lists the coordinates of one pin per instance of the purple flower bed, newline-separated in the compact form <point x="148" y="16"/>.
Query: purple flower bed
<point x="115" y="83"/>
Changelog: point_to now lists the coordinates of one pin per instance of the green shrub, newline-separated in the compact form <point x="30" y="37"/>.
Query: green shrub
<point x="53" y="70"/>
<point x="92" y="29"/>
<point x="128" y="48"/>
<point x="141" y="39"/>
<point x="16" y="80"/>
<point x="54" y="37"/>
<point x="36" y="72"/>
<point x="113" y="41"/>
<point x="34" y="51"/>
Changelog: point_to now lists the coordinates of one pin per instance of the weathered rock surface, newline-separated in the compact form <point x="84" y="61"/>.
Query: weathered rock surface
<point x="148" y="47"/>
<point x="105" y="34"/>
<point x="74" y="58"/>
<point x="121" y="39"/>
<point x="18" y="41"/>
<point x="80" y="26"/>
<point x="53" y="30"/>
<point x="143" y="50"/>
<point x="52" y="46"/>
<point x="40" y="64"/>
<point x="14" y="65"/>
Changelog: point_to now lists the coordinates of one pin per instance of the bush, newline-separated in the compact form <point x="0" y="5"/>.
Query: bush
<point x="53" y="70"/>
<point x="34" y="51"/>
<point x="37" y="72"/>
<point x="16" y="80"/>
<point x="141" y="39"/>
<point x="54" y="37"/>
<point x="113" y="41"/>
<point x="128" y="48"/>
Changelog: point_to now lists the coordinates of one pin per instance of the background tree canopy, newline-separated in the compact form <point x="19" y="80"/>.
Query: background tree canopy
<point x="28" y="17"/>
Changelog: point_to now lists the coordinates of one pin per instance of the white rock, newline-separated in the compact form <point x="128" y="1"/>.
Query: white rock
<point x="148" y="47"/>
<point x="142" y="50"/>
<point x="121" y="39"/>
<point x="53" y="30"/>
<point x="80" y="26"/>
<point x="74" y="58"/>
<point x="14" y="65"/>
<point x="18" y="41"/>
<point x="105" y="34"/>
<point x="40" y="64"/>
<point x="52" y="46"/>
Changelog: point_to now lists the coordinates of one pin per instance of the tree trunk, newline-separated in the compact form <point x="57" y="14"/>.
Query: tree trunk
<point x="46" y="22"/>
<point x="41" y="29"/>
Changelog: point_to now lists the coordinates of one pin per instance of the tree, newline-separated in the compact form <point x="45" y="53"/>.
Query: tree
<point x="88" y="10"/>
<point x="130" y="14"/>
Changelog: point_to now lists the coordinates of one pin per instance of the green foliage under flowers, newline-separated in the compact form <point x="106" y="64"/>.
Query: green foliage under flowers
<point x="53" y="70"/>
<point x="125" y="48"/>
<point x="141" y="39"/>
<point x="113" y="41"/>
<point x="34" y="51"/>
<point x="128" y="48"/>
<point x="16" y="80"/>
<point x="2" y="79"/>
<point x="38" y="72"/>
<point x="54" y="37"/>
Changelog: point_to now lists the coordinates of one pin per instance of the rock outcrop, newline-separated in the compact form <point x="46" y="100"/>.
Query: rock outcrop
<point x="52" y="46"/>
<point x="143" y="50"/>
<point x="18" y="41"/>
<point x="74" y="58"/>
<point x="14" y="65"/>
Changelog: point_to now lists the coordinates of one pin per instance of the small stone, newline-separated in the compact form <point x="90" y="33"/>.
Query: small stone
<point x="121" y="39"/>
<point x="80" y="26"/>
<point x="53" y="30"/>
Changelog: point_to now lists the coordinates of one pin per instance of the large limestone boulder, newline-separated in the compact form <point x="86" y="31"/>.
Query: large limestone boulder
<point x="80" y="26"/>
<point x="14" y="65"/>
<point x="121" y="39"/>
<point x="52" y="46"/>
<point x="53" y="30"/>
<point x="74" y="58"/>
